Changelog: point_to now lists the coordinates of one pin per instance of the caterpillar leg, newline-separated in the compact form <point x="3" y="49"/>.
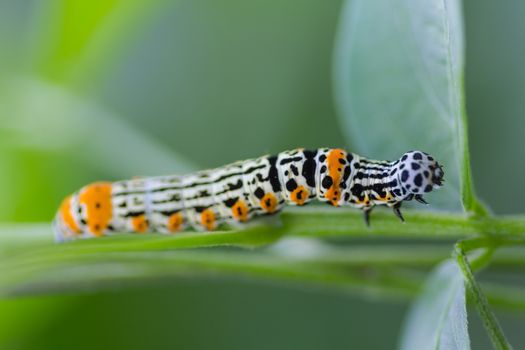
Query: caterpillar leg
<point x="366" y="215"/>
<point x="397" y="211"/>
<point x="420" y="199"/>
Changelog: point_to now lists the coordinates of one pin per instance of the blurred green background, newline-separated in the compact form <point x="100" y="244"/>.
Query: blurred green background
<point x="109" y="89"/>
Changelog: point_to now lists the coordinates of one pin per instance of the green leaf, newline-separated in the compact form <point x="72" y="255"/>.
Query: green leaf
<point x="438" y="318"/>
<point x="398" y="70"/>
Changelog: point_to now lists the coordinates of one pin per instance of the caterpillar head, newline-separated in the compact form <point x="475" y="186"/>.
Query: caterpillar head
<point x="419" y="173"/>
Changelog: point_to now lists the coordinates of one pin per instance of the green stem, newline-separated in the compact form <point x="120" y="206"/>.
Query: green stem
<point x="29" y="253"/>
<point x="319" y="222"/>
<point x="53" y="274"/>
<point x="312" y="222"/>
<point x="355" y="276"/>
<point x="490" y="322"/>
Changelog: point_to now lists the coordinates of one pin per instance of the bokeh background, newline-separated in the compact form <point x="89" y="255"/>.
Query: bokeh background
<point x="99" y="89"/>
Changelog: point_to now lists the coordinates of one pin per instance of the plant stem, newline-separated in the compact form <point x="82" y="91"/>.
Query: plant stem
<point x="26" y="253"/>
<point x="490" y="322"/>
<point x="319" y="222"/>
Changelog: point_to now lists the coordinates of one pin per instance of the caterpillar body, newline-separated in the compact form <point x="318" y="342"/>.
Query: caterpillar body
<point x="240" y="191"/>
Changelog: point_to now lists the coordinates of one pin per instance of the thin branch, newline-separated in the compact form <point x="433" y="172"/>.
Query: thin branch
<point x="499" y="341"/>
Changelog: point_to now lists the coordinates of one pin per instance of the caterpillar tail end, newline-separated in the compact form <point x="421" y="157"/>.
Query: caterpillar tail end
<point x="61" y="232"/>
<point x="59" y="236"/>
<point x="64" y="226"/>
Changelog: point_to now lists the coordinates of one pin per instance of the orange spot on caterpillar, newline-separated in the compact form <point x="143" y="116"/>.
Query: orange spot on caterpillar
<point x="365" y="201"/>
<point x="175" y="222"/>
<point x="96" y="199"/>
<point x="387" y="197"/>
<point x="299" y="195"/>
<point x="139" y="224"/>
<point x="335" y="171"/>
<point x="208" y="219"/>
<point x="240" y="210"/>
<point x="269" y="202"/>
<point x="67" y="216"/>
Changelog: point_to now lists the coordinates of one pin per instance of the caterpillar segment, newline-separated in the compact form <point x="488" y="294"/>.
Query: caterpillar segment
<point x="240" y="191"/>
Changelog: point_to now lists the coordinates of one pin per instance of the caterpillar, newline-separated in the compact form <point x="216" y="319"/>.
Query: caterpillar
<point x="242" y="190"/>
